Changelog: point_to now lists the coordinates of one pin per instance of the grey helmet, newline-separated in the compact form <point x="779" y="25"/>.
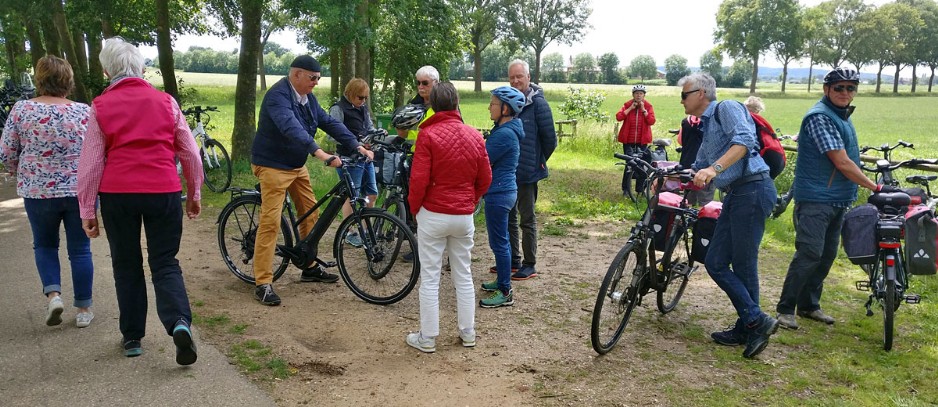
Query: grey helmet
<point x="408" y="116"/>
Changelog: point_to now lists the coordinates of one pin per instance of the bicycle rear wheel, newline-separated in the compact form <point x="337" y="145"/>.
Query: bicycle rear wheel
<point x="618" y="296"/>
<point x="889" y="312"/>
<point x="237" y="228"/>
<point x="375" y="270"/>
<point x="678" y="267"/>
<point x="216" y="165"/>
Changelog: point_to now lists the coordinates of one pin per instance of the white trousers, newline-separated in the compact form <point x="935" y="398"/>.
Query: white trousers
<point x="437" y="232"/>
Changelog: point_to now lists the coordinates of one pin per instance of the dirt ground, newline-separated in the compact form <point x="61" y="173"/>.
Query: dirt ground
<point x="344" y="351"/>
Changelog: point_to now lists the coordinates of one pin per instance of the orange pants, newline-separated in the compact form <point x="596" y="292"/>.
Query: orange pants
<point x="274" y="182"/>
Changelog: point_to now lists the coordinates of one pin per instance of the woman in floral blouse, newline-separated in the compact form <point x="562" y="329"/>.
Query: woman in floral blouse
<point x="40" y="145"/>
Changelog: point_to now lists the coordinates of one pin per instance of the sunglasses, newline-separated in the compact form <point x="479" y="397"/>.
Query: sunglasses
<point x="841" y="88"/>
<point x="362" y="98"/>
<point x="684" y="95"/>
<point x="314" y="78"/>
<point x="424" y="83"/>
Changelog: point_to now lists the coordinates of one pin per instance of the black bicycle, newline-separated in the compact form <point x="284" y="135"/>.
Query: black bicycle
<point x="636" y="270"/>
<point x="784" y="198"/>
<point x="658" y="153"/>
<point x="216" y="164"/>
<point x="393" y="156"/>
<point x="10" y="93"/>
<point x="887" y="177"/>
<point x="373" y="269"/>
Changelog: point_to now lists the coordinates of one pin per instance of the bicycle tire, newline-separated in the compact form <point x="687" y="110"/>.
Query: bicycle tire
<point x="889" y="312"/>
<point x="216" y="165"/>
<point x="237" y="227"/>
<point x="617" y="297"/>
<point x="375" y="271"/>
<point x="395" y="205"/>
<point x="629" y="186"/>
<point x="678" y="266"/>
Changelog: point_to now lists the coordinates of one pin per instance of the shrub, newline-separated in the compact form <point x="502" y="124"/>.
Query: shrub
<point x="584" y="104"/>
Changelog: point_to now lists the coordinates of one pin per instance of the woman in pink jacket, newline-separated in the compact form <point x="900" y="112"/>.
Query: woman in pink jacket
<point x="449" y="174"/>
<point x="637" y="116"/>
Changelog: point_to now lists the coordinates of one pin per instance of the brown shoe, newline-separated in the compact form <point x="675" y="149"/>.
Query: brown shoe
<point x="817" y="315"/>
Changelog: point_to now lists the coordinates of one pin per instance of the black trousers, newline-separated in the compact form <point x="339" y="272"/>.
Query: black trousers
<point x="642" y="152"/>
<point x="160" y="216"/>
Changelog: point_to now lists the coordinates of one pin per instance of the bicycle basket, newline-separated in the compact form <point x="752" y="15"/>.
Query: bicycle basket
<point x="387" y="168"/>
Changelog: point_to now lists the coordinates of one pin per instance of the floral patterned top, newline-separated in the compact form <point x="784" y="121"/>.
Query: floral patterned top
<point x="41" y="144"/>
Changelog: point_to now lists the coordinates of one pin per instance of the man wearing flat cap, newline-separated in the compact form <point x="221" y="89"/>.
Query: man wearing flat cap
<point x="289" y="118"/>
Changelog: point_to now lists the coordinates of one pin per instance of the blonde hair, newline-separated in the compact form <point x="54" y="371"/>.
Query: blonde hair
<point x="355" y="88"/>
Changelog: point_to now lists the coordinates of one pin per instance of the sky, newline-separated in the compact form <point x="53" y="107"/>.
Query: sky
<point x="664" y="27"/>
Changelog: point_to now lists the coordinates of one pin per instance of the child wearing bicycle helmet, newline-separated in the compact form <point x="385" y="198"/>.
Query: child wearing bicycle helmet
<point x="637" y="116"/>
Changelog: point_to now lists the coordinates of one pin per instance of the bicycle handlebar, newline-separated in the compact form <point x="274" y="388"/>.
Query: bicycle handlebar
<point x="885" y="148"/>
<point x="885" y="166"/>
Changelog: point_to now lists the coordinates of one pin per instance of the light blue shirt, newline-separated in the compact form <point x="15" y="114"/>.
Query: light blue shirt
<point x="735" y="127"/>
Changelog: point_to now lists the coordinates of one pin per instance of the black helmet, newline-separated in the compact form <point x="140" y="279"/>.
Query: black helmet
<point x="408" y="116"/>
<point x="840" y="74"/>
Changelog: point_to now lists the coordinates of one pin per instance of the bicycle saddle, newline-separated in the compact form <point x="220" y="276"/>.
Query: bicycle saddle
<point x="662" y="142"/>
<point x="891" y="202"/>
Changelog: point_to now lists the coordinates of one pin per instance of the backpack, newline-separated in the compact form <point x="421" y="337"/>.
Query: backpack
<point x="769" y="147"/>
<point x="858" y="234"/>
<point x="921" y="230"/>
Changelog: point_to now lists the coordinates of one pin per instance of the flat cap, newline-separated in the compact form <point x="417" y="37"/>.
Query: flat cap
<point x="306" y="62"/>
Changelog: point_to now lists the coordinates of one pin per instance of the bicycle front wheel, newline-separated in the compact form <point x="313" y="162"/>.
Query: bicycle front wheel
<point x="237" y="229"/>
<point x="372" y="265"/>
<point x="677" y="268"/>
<point x="618" y="296"/>
<point x="216" y="165"/>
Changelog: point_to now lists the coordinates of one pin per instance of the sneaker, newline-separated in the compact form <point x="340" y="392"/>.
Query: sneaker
<point x="83" y="319"/>
<point x="524" y="273"/>
<point x="54" y="311"/>
<point x="132" y="348"/>
<point x="498" y="299"/>
<point x="514" y="269"/>
<point x="490" y="286"/>
<point x="818" y="315"/>
<point x="408" y="258"/>
<point x="759" y="333"/>
<point x="266" y="295"/>
<point x="468" y="338"/>
<point x="734" y="336"/>
<point x="185" y="346"/>
<point x="787" y="321"/>
<point x="317" y="274"/>
<point x="354" y="239"/>
<point x="417" y="341"/>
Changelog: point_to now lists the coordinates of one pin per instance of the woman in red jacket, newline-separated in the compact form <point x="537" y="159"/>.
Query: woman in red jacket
<point x="449" y="174"/>
<point x="637" y="116"/>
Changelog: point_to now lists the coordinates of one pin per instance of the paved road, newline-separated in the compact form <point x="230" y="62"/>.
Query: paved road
<point x="64" y="365"/>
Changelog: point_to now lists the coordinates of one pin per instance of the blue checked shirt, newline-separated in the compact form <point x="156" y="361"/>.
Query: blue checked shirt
<point x="824" y="132"/>
<point x="735" y="128"/>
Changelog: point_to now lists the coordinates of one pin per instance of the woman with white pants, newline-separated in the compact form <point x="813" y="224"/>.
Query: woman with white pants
<point x="449" y="174"/>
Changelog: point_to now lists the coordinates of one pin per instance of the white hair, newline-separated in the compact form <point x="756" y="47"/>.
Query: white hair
<point x="755" y="104"/>
<point x="430" y="72"/>
<point x="120" y="58"/>
<point x="523" y="63"/>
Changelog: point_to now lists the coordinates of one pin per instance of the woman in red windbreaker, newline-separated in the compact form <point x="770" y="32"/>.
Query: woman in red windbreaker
<point x="637" y="116"/>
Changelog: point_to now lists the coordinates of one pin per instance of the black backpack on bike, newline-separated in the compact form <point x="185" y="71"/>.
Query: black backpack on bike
<point x="858" y="234"/>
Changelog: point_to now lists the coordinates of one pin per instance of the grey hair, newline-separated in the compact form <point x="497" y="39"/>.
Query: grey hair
<point x="120" y="58"/>
<point x="703" y="81"/>
<point x="755" y="104"/>
<point x="429" y="71"/>
<point x="523" y="63"/>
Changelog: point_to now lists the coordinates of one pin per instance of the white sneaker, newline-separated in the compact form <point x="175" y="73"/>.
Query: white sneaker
<point x="54" y="311"/>
<point x="417" y="341"/>
<point x="468" y="337"/>
<point x="83" y="319"/>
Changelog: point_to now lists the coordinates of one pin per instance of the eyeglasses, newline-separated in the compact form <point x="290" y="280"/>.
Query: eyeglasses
<point x="685" y="94"/>
<point x="314" y="78"/>
<point x="841" y="88"/>
<point x="425" y="83"/>
<point x="362" y="98"/>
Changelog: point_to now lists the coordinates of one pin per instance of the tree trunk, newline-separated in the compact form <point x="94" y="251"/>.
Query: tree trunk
<point x="810" y="73"/>
<point x="34" y="34"/>
<point x="784" y="75"/>
<point x="348" y="67"/>
<point x="242" y="136"/>
<point x="81" y="55"/>
<point x="164" y="46"/>
<point x="50" y="36"/>
<point x="895" y="80"/>
<point x="536" y="75"/>
<point x="261" y="69"/>
<point x="334" y="63"/>
<point x="914" y="76"/>
<point x="879" y="77"/>
<point x="363" y="52"/>
<point x="95" y="70"/>
<point x="477" y="68"/>
<point x="931" y="79"/>
<point x="755" y="75"/>
<point x="107" y="28"/>
<point x="65" y="38"/>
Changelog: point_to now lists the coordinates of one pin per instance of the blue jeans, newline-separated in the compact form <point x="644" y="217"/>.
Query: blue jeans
<point x="524" y="244"/>
<point x="497" y="206"/>
<point x="363" y="177"/>
<point x="733" y="258"/>
<point x="45" y="216"/>
<point x="817" y="235"/>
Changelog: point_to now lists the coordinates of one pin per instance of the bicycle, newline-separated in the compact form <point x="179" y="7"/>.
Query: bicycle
<point x="216" y="163"/>
<point x="393" y="173"/>
<point x="659" y="153"/>
<point x="372" y="270"/>
<point x="887" y="177"/>
<point x="11" y="93"/>
<point x="784" y="199"/>
<point x="636" y="271"/>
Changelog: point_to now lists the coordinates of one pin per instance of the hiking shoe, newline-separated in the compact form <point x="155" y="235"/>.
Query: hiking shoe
<point x="132" y="348"/>
<point x="354" y="239"/>
<point x="408" y="258"/>
<point x="185" y="346"/>
<point x="514" y="269"/>
<point x="759" y="333"/>
<point x="498" y="299"/>
<point x="317" y="274"/>
<point x="468" y="337"/>
<point x="734" y="336"/>
<point x="524" y="273"/>
<point x="787" y="321"/>
<point x="266" y="295"/>
<point x="425" y="345"/>
<point x="490" y="286"/>
<point x="817" y="315"/>
<point x="83" y="319"/>
<point x="54" y="311"/>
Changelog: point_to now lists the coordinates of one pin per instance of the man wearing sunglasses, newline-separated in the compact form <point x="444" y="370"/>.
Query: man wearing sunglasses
<point x="826" y="177"/>
<point x="289" y="118"/>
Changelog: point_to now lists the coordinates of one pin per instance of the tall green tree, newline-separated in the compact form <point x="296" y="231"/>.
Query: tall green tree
<point x="815" y="30"/>
<point x="538" y="23"/>
<point x="554" y="69"/>
<point x="748" y="28"/>
<point x="65" y="38"/>
<point x="790" y="43"/>
<point x="711" y="62"/>
<point x="276" y="18"/>
<point x="901" y="51"/>
<point x="840" y="37"/>
<point x="643" y="67"/>
<point x="675" y="68"/>
<point x="584" y="68"/>
<point x="924" y="42"/>
<point x="484" y="19"/>
<point x="608" y="67"/>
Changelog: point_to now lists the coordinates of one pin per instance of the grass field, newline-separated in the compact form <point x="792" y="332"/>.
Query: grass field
<point x="843" y="366"/>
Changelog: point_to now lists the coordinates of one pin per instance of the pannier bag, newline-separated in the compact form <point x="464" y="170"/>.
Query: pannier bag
<point x="387" y="168"/>
<point x="703" y="230"/>
<point x="858" y="235"/>
<point x="662" y="219"/>
<point x="921" y="231"/>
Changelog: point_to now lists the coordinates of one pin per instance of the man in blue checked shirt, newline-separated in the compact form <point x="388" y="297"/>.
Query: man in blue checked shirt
<point x="826" y="179"/>
<point x="729" y="158"/>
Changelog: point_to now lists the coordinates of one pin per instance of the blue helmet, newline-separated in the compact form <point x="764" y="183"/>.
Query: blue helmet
<point x="510" y="96"/>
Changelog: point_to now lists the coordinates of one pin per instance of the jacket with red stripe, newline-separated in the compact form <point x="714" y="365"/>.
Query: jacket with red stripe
<point x="636" y="126"/>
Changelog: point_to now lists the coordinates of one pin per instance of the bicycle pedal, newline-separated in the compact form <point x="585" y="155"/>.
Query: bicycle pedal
<point x="328" y="264"/>
<point x="913" y="299"/>
<point x="863" y="285"/>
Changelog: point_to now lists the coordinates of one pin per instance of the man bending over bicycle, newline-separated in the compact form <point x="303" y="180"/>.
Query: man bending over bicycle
<point x="289" y="118"/>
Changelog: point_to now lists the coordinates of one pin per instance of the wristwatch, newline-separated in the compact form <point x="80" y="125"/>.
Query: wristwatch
<point x="718" y="168"/>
